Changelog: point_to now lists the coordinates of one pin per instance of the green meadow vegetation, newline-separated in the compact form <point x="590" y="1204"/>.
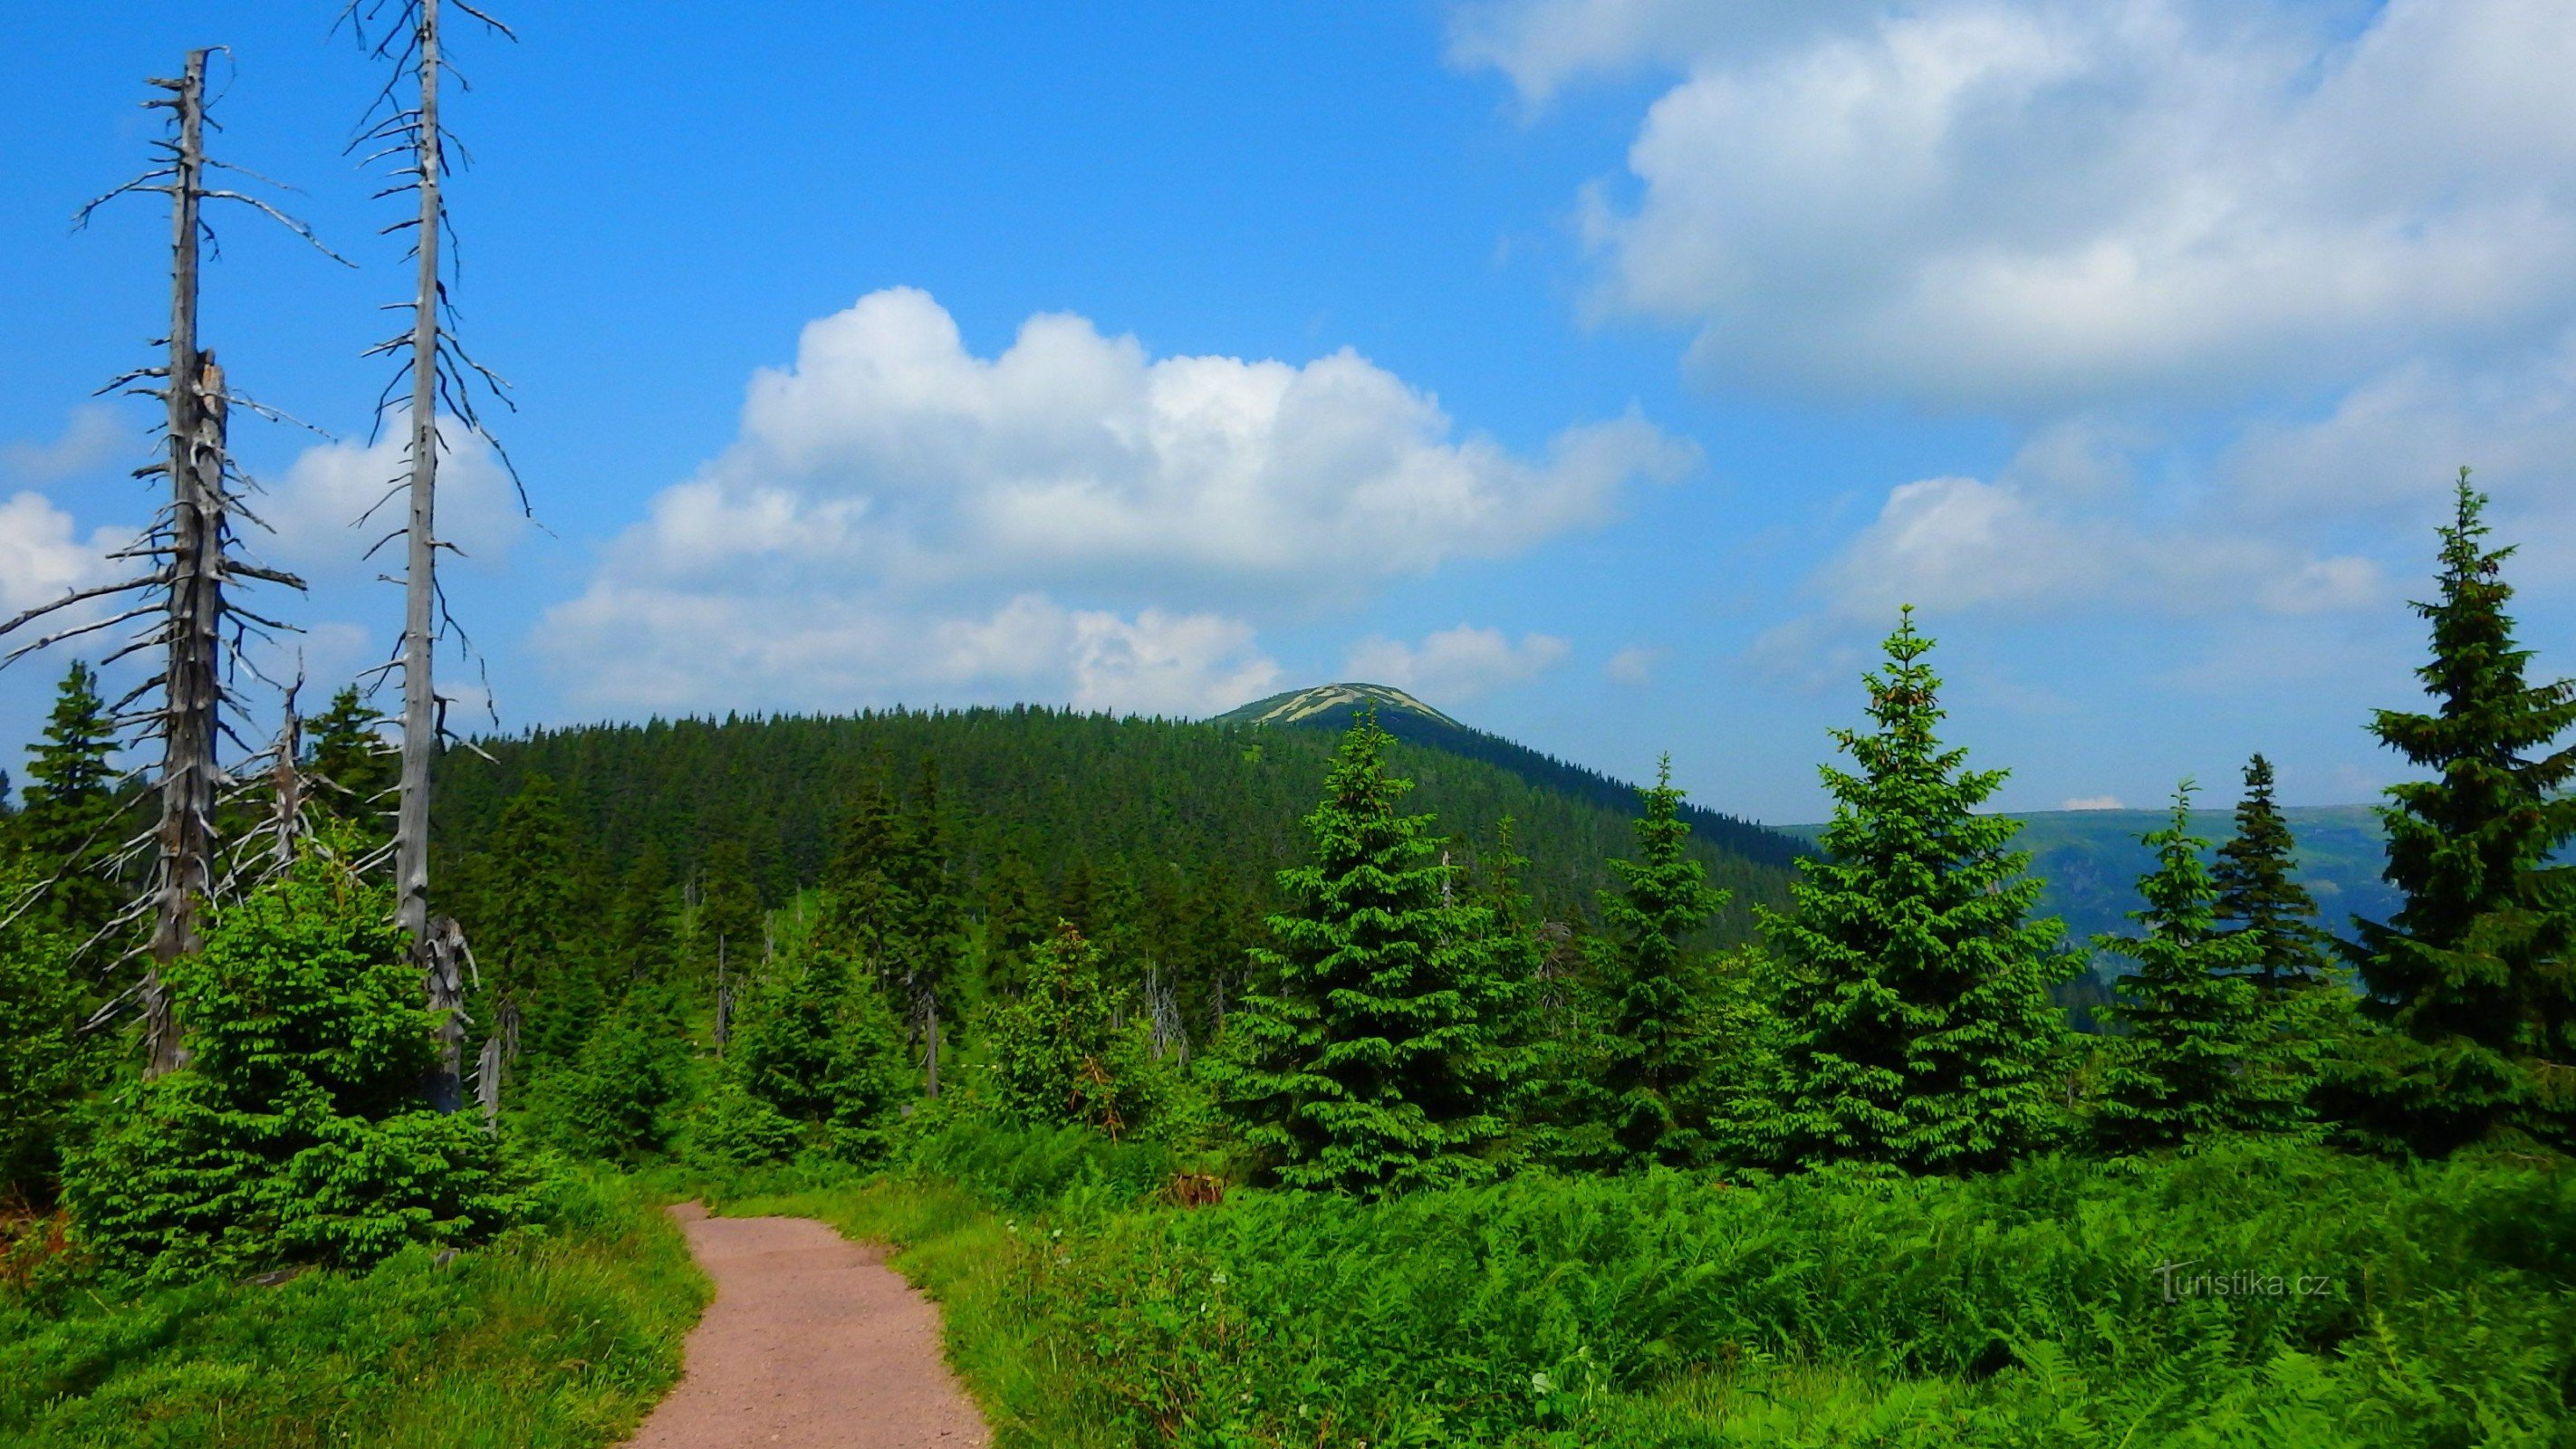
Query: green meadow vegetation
<point x="1353" y="1127"/>
<point x="558" y="1333"/>
<point x="2261" y="1293"/>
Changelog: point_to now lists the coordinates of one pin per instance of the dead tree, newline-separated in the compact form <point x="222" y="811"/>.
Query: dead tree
<point x="183" y="591"/>
<point x="440" y="374"/>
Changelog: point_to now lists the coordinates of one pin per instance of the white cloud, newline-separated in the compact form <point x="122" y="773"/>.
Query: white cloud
<point x="1454" y="664"/>
<point x="92" y="438"/>
<point x="2011" y="205"/>
<point x="1633" y="665"/>
<point x="1544" y="44"/>
<point x="1075" y="457"/>
<point x="42" y="558"/>
<point x="667" y="649"/>
<point x="1955" y="544"/>
<point x="892" y="487"/>
<point x="317" y="506"/>
<point x="2092" y="802"/>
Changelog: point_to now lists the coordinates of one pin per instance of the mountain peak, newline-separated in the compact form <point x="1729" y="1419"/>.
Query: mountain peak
<point x="1300" y="705"/>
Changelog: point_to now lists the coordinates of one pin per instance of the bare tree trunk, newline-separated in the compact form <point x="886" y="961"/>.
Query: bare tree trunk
<point x="195" y="600"/>
<point x="420" y="595"/>
<point x="492" y="1066"/>
<point x="286" y="795"/>
<point x="930" y="1054"/>
<point x="444" y="961"/>
<point x="724" y="999"/>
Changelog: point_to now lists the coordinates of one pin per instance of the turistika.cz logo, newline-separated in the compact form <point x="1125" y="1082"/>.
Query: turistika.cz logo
<point x="2242" y="1283"/>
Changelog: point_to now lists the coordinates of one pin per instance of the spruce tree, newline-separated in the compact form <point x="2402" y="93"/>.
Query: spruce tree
<point x="2257" y="891"/>
<point x="1015" y="924"/>
<point x="860" y="912"/>
<point x="729" y="917"/>
<point x="923" y="943"/>
<point x="40" y="1048"/>
<point x="528" y="941"/>
<point x="353" y="766"/>
<point x="2476" y="970"/>
<point x="69" y="828"/>
<point x="1912" y="985"/>
<point x="2199" y="1056"/>
<point x="1052" y="1048"/>
<point x="1365" y="1065"/>
<point x="1654" y="1043"/>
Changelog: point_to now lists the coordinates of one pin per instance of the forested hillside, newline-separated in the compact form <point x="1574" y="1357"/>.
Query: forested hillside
<point x="1331" y="708"/>
<point x="1083" y="802"/>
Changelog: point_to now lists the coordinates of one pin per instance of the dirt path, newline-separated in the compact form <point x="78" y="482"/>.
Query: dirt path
<point x="811" y="1342"/>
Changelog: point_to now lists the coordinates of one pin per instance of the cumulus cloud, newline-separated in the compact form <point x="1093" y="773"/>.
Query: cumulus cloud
<point x="1074" y="457"/>
<point x="92" y="439"/>
<point x="2033" y="204"/>
<point x="898" y="514"/>
<point x="335" y="501"/>
<point x="1455" y="664"/>
<point x="682" y="650"/>
<point x="2058" y="528"/>
<point x="42" y="556"/>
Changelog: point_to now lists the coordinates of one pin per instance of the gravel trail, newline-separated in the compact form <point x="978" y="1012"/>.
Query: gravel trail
<point x="812" y="1342"/>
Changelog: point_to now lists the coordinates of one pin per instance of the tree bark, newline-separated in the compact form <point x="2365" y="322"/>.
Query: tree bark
<point x="440" y="981"/>
<point x="185" y="840"/>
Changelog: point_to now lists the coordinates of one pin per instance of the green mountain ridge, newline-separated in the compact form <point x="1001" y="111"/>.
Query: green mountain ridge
<point x="2091" y="861"/>
<point x="1191" y="817"/>
<point x="1332" y="707"/>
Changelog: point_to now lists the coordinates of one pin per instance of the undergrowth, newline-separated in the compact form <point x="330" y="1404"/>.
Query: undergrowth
<point x="2259" y="1295"/>
<point x="557" y="1335"/>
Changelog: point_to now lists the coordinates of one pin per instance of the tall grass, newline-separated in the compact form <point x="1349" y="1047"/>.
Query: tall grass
<point x="2257" y="1295"/>
<point x="556" y="1337"/>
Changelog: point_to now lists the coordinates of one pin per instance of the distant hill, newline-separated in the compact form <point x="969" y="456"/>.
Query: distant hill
<point x="2091" y="860"/>
<point x="1144" y="801"/>
<point x="1330" y="707"/>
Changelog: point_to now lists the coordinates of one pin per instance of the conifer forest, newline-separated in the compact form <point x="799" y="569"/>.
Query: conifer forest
<point x="1324" y="1073"/>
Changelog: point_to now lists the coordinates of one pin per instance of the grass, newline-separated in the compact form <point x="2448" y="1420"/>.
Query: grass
<point x="2022" y="1309"/>
<point x="558" y="1338"/>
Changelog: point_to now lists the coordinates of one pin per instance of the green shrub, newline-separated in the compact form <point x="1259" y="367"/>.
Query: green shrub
<point x="294" y="1134"/>
<point x="817" y="1045"/>
<point x="614" y="1100"/>
<point x="737" y="1129"/>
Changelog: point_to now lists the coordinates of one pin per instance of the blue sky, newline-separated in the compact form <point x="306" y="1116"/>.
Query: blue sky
<point x="1607" y="371"/>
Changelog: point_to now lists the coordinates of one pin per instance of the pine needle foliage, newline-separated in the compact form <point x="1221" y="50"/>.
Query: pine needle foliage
<point x="2259" y="892"/>
<point x="71" y="823"/>
<point x="1656" y="1042"/>
<point x="1053" y="1049"/>
<point x="526" y="921"/>
<point x="2198" y="1057"/>
<point x="352" y="765"/>
<point x="1368" y="1062"/>
<point x="295" y="1133"/>
<point x="41" y="1058"/>
<point x="816" y="1049"/>
<point x="1913" y="985"/>
<point x="2478" y="970"/>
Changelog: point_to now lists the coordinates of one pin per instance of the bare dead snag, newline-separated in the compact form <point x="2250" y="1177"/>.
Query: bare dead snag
<point x="492" y="1066"/>
<point x="440" y="373"/>
<point x="445" y="960"/>
<point x="190" y="538"/>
